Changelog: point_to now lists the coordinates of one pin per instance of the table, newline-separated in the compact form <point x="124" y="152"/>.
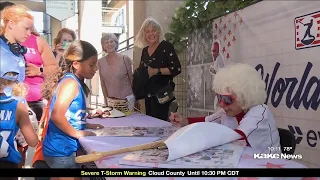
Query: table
<point x="135" y="119"/>
<point x="103" y="143"/>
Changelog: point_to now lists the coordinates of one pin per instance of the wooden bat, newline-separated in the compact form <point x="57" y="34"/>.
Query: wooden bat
<point x="94" y="156"/>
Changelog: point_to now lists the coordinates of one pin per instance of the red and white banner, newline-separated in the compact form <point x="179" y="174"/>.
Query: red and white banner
<point x="307" y="30"/>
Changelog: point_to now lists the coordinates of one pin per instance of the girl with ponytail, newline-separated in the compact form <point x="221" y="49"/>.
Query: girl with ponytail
<point x="67" y="121"/>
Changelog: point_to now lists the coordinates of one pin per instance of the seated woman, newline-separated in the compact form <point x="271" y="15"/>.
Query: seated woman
<point x="241" y="95"/>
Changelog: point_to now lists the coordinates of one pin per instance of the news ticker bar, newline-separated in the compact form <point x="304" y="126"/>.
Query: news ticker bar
<point x="255" y="172"/>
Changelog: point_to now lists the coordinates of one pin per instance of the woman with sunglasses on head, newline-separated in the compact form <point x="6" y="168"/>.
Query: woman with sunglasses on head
<point x="241" y="95"/>
<point x="162" y="63"/>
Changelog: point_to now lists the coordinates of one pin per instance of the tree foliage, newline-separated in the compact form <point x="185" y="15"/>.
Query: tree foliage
<point x="194" y="14"/>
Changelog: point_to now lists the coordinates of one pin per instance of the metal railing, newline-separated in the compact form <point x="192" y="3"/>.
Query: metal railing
<point x="96" y="104"/>
<point x="128" y="44"/>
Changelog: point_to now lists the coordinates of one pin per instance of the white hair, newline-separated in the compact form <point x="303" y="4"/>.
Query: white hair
<point x="107" y="37"/>
<point x="141" y="41"/>
<point x="244" y="82"/>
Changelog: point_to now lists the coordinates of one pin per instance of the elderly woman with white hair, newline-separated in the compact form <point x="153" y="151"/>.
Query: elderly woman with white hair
<point x="115" y="71"/>
<point x="162" y="62"/>
<point x="241" y="95"/>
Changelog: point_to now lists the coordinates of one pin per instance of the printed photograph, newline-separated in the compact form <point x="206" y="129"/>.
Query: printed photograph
<point x="199" y="46"/>
<point x="195" y="87"/>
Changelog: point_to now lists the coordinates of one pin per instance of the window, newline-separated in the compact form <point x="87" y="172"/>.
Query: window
<point x="42" y="25"/>
<point x="72" y="22"/>
<point x="120" y="18"/>
<point x="38" y="20"/>
<point x="105" y="3"/>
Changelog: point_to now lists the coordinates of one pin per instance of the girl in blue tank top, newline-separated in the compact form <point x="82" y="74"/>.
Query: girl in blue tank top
<point x="68" y="105"/>
<point x="13" y="114"/>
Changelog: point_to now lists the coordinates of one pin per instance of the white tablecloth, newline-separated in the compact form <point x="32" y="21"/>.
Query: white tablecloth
<point x="103" y="143"/>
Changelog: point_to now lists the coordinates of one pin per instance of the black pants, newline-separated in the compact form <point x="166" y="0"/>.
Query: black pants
<point x="36" y="107"/>
<point x="41" y="165"/>
<point x="154" y="109"/>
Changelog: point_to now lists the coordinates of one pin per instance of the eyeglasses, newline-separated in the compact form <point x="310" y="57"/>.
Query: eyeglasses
<point x="225" y="99"/>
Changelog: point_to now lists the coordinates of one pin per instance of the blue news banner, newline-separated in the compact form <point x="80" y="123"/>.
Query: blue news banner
<point x="281" y="172"/>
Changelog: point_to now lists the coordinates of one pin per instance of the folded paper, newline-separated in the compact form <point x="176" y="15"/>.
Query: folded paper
<point x="198" y="137"/>
<point x="224" y="156"/>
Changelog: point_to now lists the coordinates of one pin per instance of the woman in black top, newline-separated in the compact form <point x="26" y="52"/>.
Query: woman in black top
<point x="162" y="62"/>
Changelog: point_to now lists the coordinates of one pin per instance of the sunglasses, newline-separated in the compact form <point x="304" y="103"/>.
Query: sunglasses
<point x="225" y="99"/>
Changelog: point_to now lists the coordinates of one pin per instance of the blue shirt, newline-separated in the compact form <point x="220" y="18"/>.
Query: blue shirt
<point x="6" y="53"/>
<point x="57" y="143"/>
<point x="8" y="130"/>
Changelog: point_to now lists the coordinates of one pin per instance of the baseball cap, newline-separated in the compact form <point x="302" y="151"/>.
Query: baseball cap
<point x="8" y="64"/>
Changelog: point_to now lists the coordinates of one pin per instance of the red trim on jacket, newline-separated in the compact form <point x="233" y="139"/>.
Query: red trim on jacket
<point x="239" y="117"/>
<point x="244" y="137"/>
<point x="196" y="119"/>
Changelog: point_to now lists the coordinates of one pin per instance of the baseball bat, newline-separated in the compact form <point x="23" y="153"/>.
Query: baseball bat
<point x="300" y="22"/>
<point x="94" y="156"/>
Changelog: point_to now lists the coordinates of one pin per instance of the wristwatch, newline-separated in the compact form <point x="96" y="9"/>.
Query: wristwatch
<point x="41" y="70"/>
<point x="159" y="71"/>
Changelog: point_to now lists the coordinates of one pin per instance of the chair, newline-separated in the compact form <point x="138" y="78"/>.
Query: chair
<point x="287" y="139"/>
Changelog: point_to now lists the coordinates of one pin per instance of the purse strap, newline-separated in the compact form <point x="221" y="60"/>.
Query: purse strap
<point x="127" y="71"/>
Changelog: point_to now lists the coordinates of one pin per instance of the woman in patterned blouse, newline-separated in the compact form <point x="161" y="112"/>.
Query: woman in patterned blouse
<point x="162" y="62"/>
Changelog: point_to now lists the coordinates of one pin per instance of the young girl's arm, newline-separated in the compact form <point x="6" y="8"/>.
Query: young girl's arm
<point x="66" y="92"/>
<point x="23" y="121"/>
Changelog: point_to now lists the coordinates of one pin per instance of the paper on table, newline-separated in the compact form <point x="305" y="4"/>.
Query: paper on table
<point x="224" y="156"/>
<point x="198" y="137"/>
<point x="115" y="113"/>
<point x="136" y="131"/>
